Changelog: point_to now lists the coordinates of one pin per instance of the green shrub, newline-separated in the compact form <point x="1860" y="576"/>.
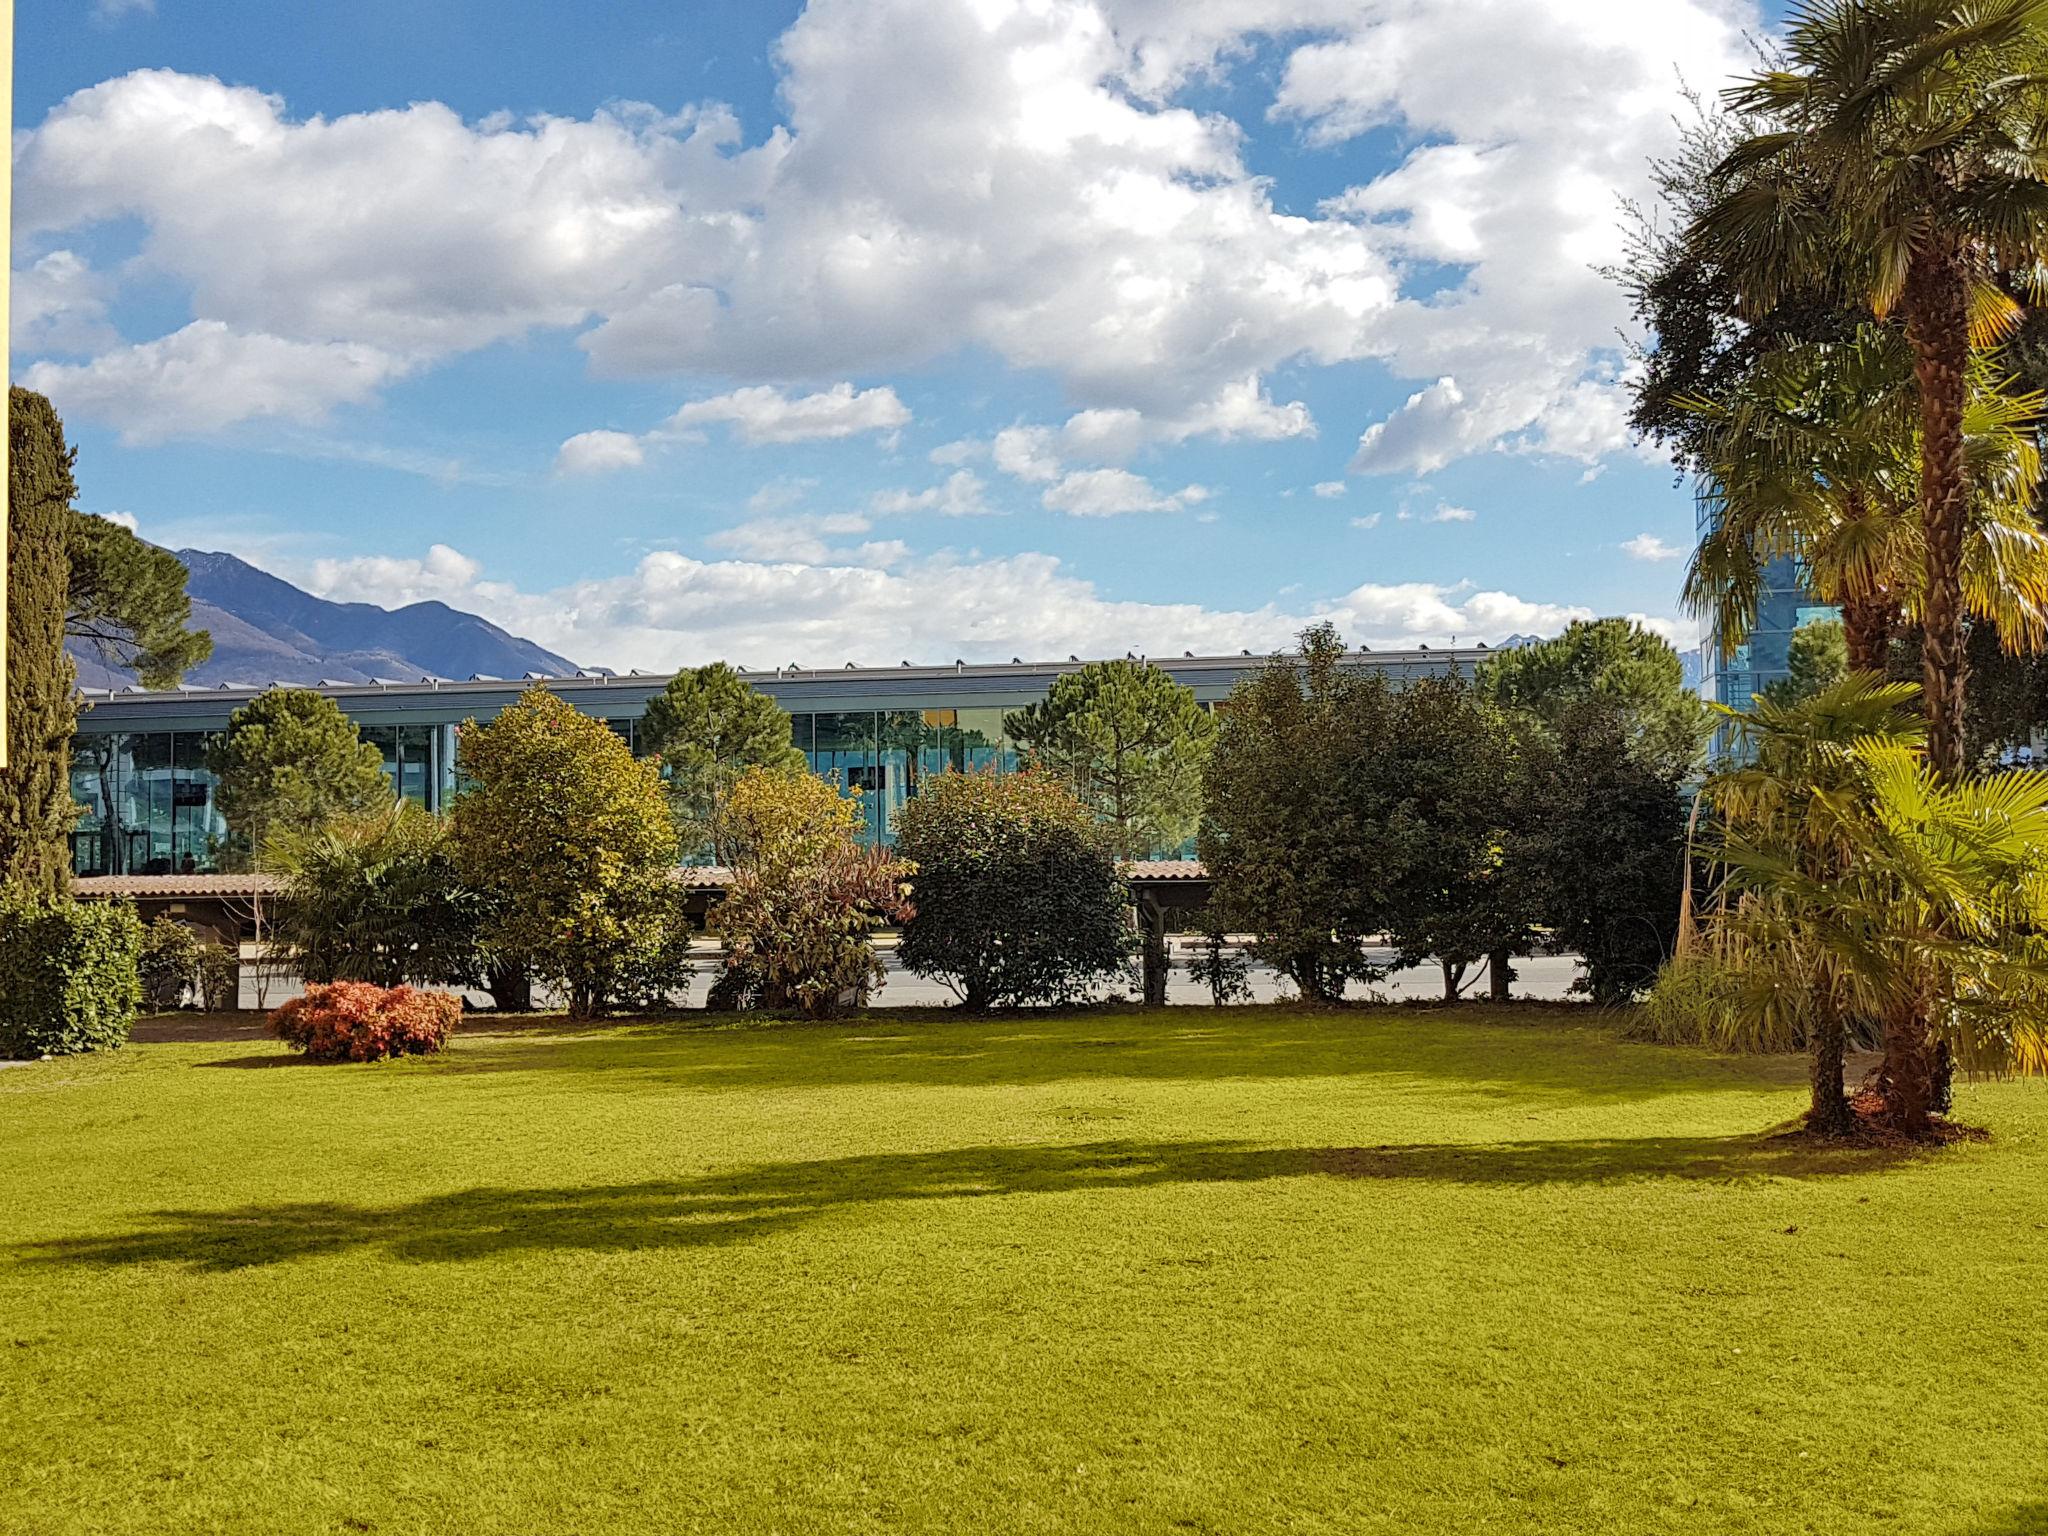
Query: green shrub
<point x="69" y="978"/>
<point x="1225" y="971"/>
<point x="169" y="963"/>
<point x="177" y="962"/>
<point x="799" y="917"/>
<point x="220" y="978"/>
<point x="1018" y="898"/>
<point x="1714" y="999"/>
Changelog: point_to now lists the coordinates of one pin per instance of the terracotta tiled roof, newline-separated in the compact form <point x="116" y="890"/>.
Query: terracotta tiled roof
<point x="177" y="885"/>
<point x="1165" y="869"/>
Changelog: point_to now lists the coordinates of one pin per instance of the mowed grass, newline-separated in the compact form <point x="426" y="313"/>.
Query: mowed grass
<point x="1242" y="1271"/>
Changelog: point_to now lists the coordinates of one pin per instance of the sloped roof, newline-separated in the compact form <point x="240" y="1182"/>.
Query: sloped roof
<point x="177" y="885"/>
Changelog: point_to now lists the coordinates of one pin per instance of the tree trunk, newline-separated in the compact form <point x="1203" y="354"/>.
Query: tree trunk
<point x="1500" y="972"/>
<point x="1867" y="623"/>
<point x="1152" y="917"/>
<point x="1829" y="1114"/>
<point x="1453" y="974"/>
<point x="510" y="987"/>
<point x="1308" y="976"/>
<point x="1936" y="303"/>
<point x="1906" y="1076"/>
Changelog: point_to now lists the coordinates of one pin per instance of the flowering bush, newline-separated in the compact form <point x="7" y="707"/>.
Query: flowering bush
<point x="805" y="900"/>
<point x="358" y="1021"/>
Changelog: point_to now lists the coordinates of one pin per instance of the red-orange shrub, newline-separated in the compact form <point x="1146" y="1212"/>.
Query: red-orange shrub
<point x="358" y="1021"/>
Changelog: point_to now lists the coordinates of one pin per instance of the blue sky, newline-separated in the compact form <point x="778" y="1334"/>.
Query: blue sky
<point x="867" y="329"/>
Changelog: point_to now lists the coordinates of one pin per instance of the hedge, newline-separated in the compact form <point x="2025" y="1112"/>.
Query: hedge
<point x="68" y="974"/>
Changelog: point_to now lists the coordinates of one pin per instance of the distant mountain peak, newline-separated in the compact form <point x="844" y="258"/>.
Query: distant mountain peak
<point x="266" y="630"/>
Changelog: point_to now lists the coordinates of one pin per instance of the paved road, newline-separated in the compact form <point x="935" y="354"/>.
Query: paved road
<point x="1543" y="977"/>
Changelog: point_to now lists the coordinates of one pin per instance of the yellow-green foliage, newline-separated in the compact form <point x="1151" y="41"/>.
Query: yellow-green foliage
<point x="569" y="837"/>
<point x="805" y="898"/>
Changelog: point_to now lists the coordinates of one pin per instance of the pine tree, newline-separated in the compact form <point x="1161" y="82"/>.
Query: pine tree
<point x="290" y="762"/>
<point x="36" y="810"/>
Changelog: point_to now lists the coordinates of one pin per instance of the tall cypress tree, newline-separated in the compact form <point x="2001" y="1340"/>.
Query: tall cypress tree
<point x="35" y="787"/>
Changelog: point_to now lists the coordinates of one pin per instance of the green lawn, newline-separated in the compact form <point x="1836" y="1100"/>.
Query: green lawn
<point x="1248" y="1271"/>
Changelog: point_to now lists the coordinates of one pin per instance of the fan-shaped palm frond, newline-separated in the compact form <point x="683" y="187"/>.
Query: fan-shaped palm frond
<point x="1901" y="159"/>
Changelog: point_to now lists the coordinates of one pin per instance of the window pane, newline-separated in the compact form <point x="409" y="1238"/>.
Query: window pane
<point x="902" y="735"/>
<point x="415" y="779"/>
<point x="145" y="806"/>
<point x="92" y="786"/>
<point x="196" y="828"/>
<point x="844" y="752"/>
<point x="981" y="741"/>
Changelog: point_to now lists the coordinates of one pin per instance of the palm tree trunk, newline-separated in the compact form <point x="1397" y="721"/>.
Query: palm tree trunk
<point x="1829" y="1114"/>
<point x="1937" y="325"/>
<point x="1936" y="303"/>
<point x="1906" y="1075"/>
<point x="1867" y="623"/>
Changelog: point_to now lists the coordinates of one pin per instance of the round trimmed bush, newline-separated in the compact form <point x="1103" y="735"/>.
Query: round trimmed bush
<point x="359" y="1021"/>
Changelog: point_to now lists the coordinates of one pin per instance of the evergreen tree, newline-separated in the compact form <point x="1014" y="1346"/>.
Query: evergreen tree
<point x="36" y="810"/>
<point x="289" y="762"/>
<point x="126" y="600"/>
<point x="565" y="835"/>
<point x="1295" y="815"/>
<point x="1018" y="899"/>
<point x="1464" y="884"/>
<point x="709" y="726"/>
<point x="1608" y="842"/>
<point x="1621" y="664"/>
<point x="1130" y="742"/>
<point x="1816" y="660"/>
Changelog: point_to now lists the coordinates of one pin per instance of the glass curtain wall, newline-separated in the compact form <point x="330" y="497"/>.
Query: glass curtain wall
<point x="146" y="804"/>
<point x="411" y="759"/>
<point x="888" y="754"/>
<point x="146" y="801"/>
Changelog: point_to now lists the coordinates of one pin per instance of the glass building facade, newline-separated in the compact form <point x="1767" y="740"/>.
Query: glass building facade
<point x="1733" y="675"/>
<point x="138" y="769"/>
<point x="147" y="804"/>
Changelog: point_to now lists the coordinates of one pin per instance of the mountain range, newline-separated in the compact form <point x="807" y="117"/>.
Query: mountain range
<point x="265" y="630"/>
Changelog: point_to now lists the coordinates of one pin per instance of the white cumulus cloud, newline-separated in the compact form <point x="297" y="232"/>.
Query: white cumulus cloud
<point x="763" y="414"/>
<point x="595" y="453"/>
<point x="1647" y="546"/>
<point x="208" y="377"/>
<point x="1112" y="492"/>
<point x="1017" y="179"/>
<point x="962" y="494"/>
<point x="807" y="598"/>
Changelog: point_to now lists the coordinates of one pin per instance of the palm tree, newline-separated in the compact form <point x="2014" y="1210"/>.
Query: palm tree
<point x="1816" y="456"/>
<point x="1863" y="885"/>
<point x="1784" y="983"/>
<point x="1905" y="164"/>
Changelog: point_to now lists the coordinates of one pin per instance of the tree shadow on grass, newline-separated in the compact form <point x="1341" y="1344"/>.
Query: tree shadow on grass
<point x="1582" y="1060"/>
<point x="747" y="1203"/>
<point x="2029" y="1519"/>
